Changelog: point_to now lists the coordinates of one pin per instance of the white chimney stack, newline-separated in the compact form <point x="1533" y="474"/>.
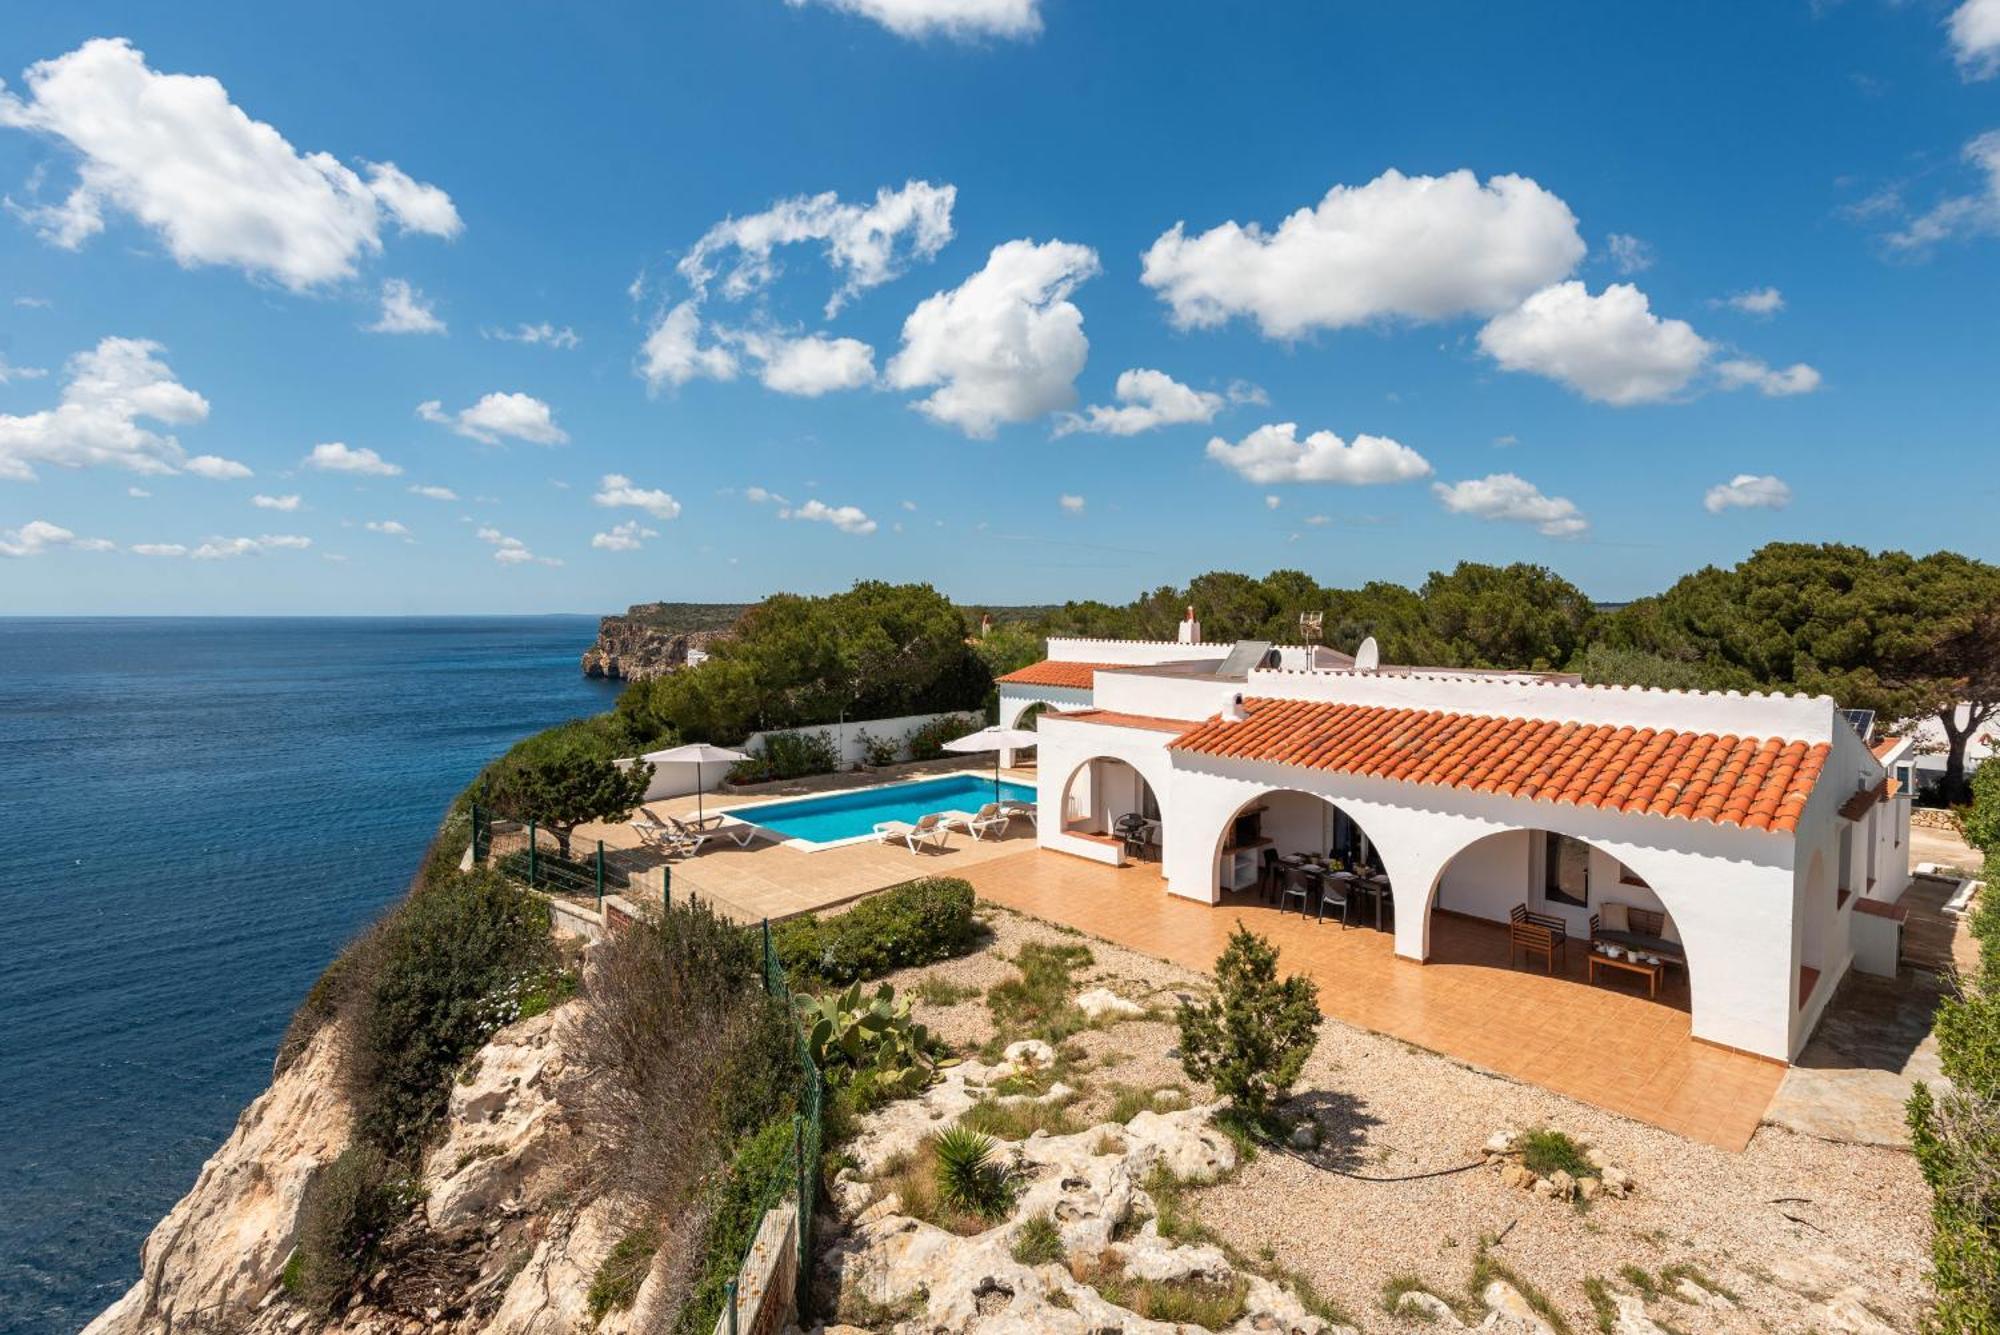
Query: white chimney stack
<point x="1190" y="628"/>
<point x="1234" y="712"/>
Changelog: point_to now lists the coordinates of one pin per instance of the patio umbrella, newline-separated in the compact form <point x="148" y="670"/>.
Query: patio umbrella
<point x="995" y="740"/>
<point x="696" y="754"/>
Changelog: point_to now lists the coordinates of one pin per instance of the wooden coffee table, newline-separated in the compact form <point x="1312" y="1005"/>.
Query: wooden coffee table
<point x="1650" y="972"/>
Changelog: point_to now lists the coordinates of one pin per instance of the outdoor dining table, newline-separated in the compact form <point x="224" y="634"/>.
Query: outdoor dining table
<point x="1375" y="887"/>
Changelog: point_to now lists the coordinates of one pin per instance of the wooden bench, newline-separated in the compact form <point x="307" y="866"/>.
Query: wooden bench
<point x="1646" y="933"/>
<point x="1535" y="934"/>
<point x="1650" y="972"/>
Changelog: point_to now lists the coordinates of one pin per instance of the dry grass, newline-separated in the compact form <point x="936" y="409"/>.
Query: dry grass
<point x="1210" y="1304"/>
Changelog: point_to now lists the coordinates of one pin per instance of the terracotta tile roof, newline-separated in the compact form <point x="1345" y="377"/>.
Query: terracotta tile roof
<point x="1113" y="718"/>
<point x="1761" y="784"/>
<point x="1884" y="745"/>
<point x="1055" y="672"/>
<point x="1856" y="806"/>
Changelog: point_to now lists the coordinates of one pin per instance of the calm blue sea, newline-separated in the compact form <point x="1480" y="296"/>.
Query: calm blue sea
<point x="197" y="814"/>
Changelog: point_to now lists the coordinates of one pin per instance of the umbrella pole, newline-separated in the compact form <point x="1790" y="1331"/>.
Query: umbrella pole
<point x="698" y="785"/>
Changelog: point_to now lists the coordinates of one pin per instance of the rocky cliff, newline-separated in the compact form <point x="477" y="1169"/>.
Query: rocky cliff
<point x="653" y="638"/>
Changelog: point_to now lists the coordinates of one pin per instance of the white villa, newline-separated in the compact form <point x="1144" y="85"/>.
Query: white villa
<point x="1762" y="829"/>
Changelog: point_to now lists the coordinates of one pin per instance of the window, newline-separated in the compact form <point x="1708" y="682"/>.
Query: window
<point x="1565" y="871"/>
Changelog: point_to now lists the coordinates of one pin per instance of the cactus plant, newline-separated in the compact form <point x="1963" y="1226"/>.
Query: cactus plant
<point x="854" y="1038"/>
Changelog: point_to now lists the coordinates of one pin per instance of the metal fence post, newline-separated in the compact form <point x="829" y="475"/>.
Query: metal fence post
<point x="729" y="1296"/>
<point x="767" y="954"/>
<point x="805" y="1208"/>
<point x="476" y="859"/>
<point x="532" y="843"/>
<point x="666" y="892"/>
<point x="600" y="876"/>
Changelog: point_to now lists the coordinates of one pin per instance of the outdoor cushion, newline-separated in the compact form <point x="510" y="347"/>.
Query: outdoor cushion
<point x="1650" y="945"/>
<point x="1611" y="917"/>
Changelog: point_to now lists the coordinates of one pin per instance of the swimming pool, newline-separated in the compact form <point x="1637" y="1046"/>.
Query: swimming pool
<point x="817" y="822"/>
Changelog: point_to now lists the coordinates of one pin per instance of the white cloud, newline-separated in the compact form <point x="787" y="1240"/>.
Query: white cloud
<point x="846" y="518"/>
<point x="866" y="244"/>
<point x="108" y="391"/>
<point x="911" y="506"/>
<point x="673" y="353"/>
<point x="1972" y="214"/>
<point x="33" y="303"/>
<point x="405" y="311"/>
<point x="1273" y="502"/>
<point x="626" y="537"/>
<point x="285" y="503"/>
<point x="958" y="20"/>
<point x="335" y="457"/>
<point x="1073" y="504"/>
<point x="223" y="549"/>
<point x="1748" y="372"/>
<point x="1275" y="454"/>
<point x="759" y="495"/>
<point x="509" y="551"/>
<point x="1610" y="348"/>
<point x="618" y="490"/>
<point x="1005" y="345"/>
<point x="1629" y="253"/>
<point x="391" y="527"/>
<point x="433" y="493"/>
<point x="1400" y="247"/>
<point x="1975" y="38"/>
<point x="513" y="416"/>
<point x="173" y="152"/>
<point x="1759" y="301"/>
<point x="39" y="535"/>
<point x="217" y="469"/>
<point x="1747" y="491"/>
<point x="1506" y="496"/>
<point x="1146" y="399"/>
<point x="159" y="549"/>
<point x="10" y="372"/>
<point x="812" y="365"/>
<point x="544" y="333"/>
<point x="138" y="493"/>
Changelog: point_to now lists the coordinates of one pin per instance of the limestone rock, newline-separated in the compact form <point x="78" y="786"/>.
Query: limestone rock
<point x="1631" y="1317"/>
<point x="1305" y="1136"/>
<point x="1587" y="1188"/>
<point x="1847" y="1312"/>
<point x="501" y="1125"/>
<point x="1617" y="1182"/>
<point x="1695" y="1295"/>
<point x="1562" y="1185"/>
<point x="221" y="1247"/>
<point x="1030" y="1053"/>
<point x="1510" y="1313"/>
<point x="1500" y="1142"/>
<point x="1429" y="1309"/>
<point x="1514" y="1175"/>
<point x="1100" y="1002"/>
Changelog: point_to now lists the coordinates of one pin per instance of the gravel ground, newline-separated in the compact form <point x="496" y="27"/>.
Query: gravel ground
<point x="1787" y="1225"/>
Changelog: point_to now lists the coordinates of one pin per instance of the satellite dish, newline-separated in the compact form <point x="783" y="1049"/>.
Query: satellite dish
<point x="1368" y="657"/>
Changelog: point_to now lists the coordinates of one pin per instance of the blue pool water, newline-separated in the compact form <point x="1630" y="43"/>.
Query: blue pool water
<point x="199" y="813"/>
<point x="836" y="816"/>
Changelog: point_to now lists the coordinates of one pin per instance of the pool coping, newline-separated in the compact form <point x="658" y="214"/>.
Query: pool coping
<point x="820" y="846"/>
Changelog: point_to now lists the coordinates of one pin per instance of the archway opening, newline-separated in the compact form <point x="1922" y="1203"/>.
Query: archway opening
<point x="1547" y="903"/>
<point x="1107" y="800"/>
<point x="1297" y="850"/>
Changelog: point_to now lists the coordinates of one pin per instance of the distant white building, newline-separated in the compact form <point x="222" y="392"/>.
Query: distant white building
<point x="1763" y="828"/>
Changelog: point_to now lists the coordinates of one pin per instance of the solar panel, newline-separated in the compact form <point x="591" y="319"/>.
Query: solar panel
<point x="1862" y="721"/>
<point x="1246" y="655"/>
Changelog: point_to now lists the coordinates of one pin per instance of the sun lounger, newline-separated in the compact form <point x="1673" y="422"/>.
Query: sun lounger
<point x="1024" y="809"/>
<point x="929" y="829"/>
<point x="989" y="819"/>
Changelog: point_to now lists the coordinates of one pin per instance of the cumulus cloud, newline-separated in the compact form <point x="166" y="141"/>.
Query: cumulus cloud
<point x="434" y="493"/>
<point x="1400" y="247"/>
<point x="759" y="495"/>
<point x="1747" y="491"/>
<point x="1275" y="454"/>
<point x="405" y="311"/>
<point x="39" y="535"/>
<point x="1975" y="38"/>
<point x="956" y="20"/>
<point x="1972" y="214"/>
<point x="1773" y="383"/>
<point x="626" y="537"/>
<point x="176" y="155"/>
<point x="1148" y="399"/>
<point x="846" y="518"/>
<point x="1005" y="345"/>
<point x="1071" y="504"/>
<point x="223" y="549"/>
<point x="499" y="416"/>
<point x="216" y="469"/>
<point x="545" y="334"/>
<point x="865" y="244"/>
<point x="1759" y="301"/>
<point x="159" y="549"/>
<point x="1629" y="253"/>
<point x="619" y="490"/>
<point x="1506" y="496"/>
<point x="811" y="365"/>
<point x="511" y="551"/>
<point x="394" y="528"/>
<point x="9" y="372"/>
<point x="674" y="354"/>
<point x="335" y="457"/>
<point x="1610" y="347"/>
<point x="107" y="393"/>
<point x="286" y="503"/>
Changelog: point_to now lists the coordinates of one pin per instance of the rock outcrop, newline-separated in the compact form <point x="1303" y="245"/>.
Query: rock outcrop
<point x="651" y="639"/>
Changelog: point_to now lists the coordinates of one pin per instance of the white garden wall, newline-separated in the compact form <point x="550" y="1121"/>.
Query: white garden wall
<point x="679" y="780"/>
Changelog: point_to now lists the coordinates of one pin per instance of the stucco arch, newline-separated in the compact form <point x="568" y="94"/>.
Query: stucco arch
<point x="1227" y="825"/>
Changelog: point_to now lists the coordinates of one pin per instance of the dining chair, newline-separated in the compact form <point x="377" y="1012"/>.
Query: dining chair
<point x="1297" y="885"/>
<point x="1334" y="892"/>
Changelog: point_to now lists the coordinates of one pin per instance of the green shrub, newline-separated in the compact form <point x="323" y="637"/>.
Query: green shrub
<point x="968" y="1176"/>
<point x="1546" y="1151"/>
<point x="927" y="742"/>
<point x="879" y="751"/>
<point x="348" y="1207"/>
<point x="619" y="1275"/>
<point x="918" y="922"/>
<point x="869" y="1040"/>
<point x="1039" y="1242"/>
<point x="443" y="953"/>
<point x="788" y="755"/>
<point x="561" y="778"/>
<point x="1037" y="1004"/>
<point x="1253" y="1037"/>
<point x="758" y="1176"/>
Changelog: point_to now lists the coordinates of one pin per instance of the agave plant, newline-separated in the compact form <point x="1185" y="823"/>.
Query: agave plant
<point x="853" y="1037"/>
<point x="969" y="1178"/>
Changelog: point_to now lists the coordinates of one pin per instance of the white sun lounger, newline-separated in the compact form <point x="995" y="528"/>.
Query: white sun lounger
<point x="928" y="829"/>
<point x="989" y="819"/>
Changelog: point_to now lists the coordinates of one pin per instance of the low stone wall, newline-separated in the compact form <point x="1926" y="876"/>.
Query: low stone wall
<point x="1935" y="818"/>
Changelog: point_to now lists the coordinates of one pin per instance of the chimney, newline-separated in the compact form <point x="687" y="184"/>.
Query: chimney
<point x="985" y="624"/>
<point x="1234" y="712"/>
<point x="1190" y="632"/>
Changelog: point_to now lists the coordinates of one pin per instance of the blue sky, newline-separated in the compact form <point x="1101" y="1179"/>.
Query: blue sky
<point x="1622" y="290"/>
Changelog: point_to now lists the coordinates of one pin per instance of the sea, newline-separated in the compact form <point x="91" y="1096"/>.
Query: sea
<point x="195" y="815"/>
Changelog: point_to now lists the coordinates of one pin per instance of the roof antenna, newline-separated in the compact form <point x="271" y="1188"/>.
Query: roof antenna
<point x="1368" y="657"/>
